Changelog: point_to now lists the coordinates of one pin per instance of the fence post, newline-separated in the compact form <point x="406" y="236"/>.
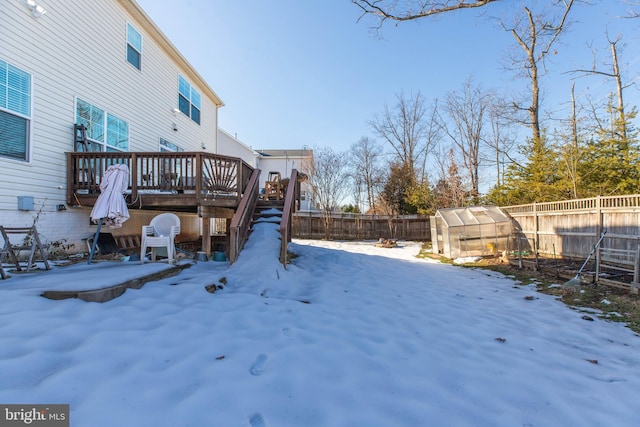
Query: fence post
<point x="598" y="264"/>
<point x="536" y="241"/>
<point x="636" y="272"/>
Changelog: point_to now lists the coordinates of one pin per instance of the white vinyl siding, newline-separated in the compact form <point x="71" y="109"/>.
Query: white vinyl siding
<point x="15" y="111"/>
<point x="91" y="65"/>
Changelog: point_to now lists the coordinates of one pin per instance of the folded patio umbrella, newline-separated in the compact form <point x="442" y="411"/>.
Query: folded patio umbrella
<point x="111" y="206"/>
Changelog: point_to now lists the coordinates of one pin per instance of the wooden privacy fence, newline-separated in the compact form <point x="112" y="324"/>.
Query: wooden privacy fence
<point x="346" y="226"/>
<point x="571" y="228"/>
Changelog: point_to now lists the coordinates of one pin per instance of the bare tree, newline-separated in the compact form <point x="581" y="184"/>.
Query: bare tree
<point x="536" y="35"/>
<point x="466" y="111"/>
<point x="367" y="169"/>
<point x="570" y="150"/>
<point x="499" y="139"/>
<point x="328" y="181"/>
<point x="405" y="129"/>
<point x="449" y="191"/>
<point x="633" y="13"/>
<point x="615" y="74"/>
<point x="433" y="135"/>
<point x="395" y="10"/>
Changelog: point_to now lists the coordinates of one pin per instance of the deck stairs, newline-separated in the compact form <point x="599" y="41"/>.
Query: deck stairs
<point x="265" y="211"/>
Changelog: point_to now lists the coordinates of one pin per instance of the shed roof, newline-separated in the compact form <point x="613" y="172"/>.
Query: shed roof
<point x="472" y="215"/>
<point x="286" y="153"/>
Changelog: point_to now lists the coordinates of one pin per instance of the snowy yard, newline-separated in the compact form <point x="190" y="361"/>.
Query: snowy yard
<point x="349" y="335"/>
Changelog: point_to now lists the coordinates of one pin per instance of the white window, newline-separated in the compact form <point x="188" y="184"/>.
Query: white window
<point x="168" y="146"/>
<point x="15" y="111"/>
<point x="188" y="100"/>
<point x="105" y="132"/>
<point x="134" y="47"/>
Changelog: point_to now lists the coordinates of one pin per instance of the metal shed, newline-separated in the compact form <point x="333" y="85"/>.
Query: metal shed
<point x="470" y="231"/>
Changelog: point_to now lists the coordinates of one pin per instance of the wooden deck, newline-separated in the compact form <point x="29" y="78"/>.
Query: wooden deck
<point x="211" y="185"/>
<point x="183" y="182"/>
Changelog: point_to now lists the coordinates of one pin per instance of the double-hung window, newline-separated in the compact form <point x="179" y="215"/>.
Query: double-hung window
<point x="15" y="111"/>
<point x="188" y="100"/>
<point x="134" y="47"/>
<point x="105" y="131"/>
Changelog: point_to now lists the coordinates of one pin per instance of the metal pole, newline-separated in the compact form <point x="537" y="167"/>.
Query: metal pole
<point x="95" y="241"/>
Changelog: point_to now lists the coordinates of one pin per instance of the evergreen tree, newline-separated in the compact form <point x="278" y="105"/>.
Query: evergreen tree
<point x="537" y="180"/>
<point x="612" y="160"/>
<point x="420" y="198"/>
<point x="394" y="194"/>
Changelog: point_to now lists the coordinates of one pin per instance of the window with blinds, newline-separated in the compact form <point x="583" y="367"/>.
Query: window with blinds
<point x="15" y="111"/>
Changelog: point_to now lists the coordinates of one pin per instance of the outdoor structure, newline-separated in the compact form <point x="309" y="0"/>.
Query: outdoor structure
<point x="470" y="231"/>
<point x="74" y="102"/>
<point x="283" y="162"/>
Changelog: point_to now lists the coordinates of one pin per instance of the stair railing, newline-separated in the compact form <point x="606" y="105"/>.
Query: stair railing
<point x="241" y="221"/>
<point x="291" y="200"/>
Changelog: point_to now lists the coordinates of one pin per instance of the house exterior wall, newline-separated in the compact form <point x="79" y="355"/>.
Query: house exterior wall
<point x="284" y="165"/>
<point x="231" y="146"/>
<point x="78" y="50"/>
<point x="275" y="164"/>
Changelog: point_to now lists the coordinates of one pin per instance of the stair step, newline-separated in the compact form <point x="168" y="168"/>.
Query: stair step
<point x="267" y="209"/>
<point x="270" y="204"/>
<point x="263" y="212"/>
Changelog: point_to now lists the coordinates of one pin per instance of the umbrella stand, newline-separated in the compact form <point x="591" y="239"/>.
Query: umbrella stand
<point x="111" y="205"/>
<point x="95" y="241"/>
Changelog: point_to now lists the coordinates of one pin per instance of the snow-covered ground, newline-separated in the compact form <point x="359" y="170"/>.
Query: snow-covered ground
<point x="348" y="335"/>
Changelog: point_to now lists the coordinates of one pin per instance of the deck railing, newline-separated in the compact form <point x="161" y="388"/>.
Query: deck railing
<point x="169" y="173"/>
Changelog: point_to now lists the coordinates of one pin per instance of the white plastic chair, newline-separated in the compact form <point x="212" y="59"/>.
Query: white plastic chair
<point x="160" y="233"/>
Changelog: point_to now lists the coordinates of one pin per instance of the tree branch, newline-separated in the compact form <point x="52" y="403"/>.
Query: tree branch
<point x="602" y="73"/>
<point x="424" y="8"/>
<point x="557" y="29"/>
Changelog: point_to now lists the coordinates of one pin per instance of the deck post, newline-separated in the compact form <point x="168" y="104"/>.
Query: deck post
<point x="227" y="239"/>
<point x="206" y="234"/>
<point x="239" y="180"/>
<point x="134" y="176"/>
<point x="199" y="177"/>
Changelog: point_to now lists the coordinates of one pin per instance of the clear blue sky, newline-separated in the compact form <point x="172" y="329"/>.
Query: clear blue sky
<point x="296" y="73"/>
